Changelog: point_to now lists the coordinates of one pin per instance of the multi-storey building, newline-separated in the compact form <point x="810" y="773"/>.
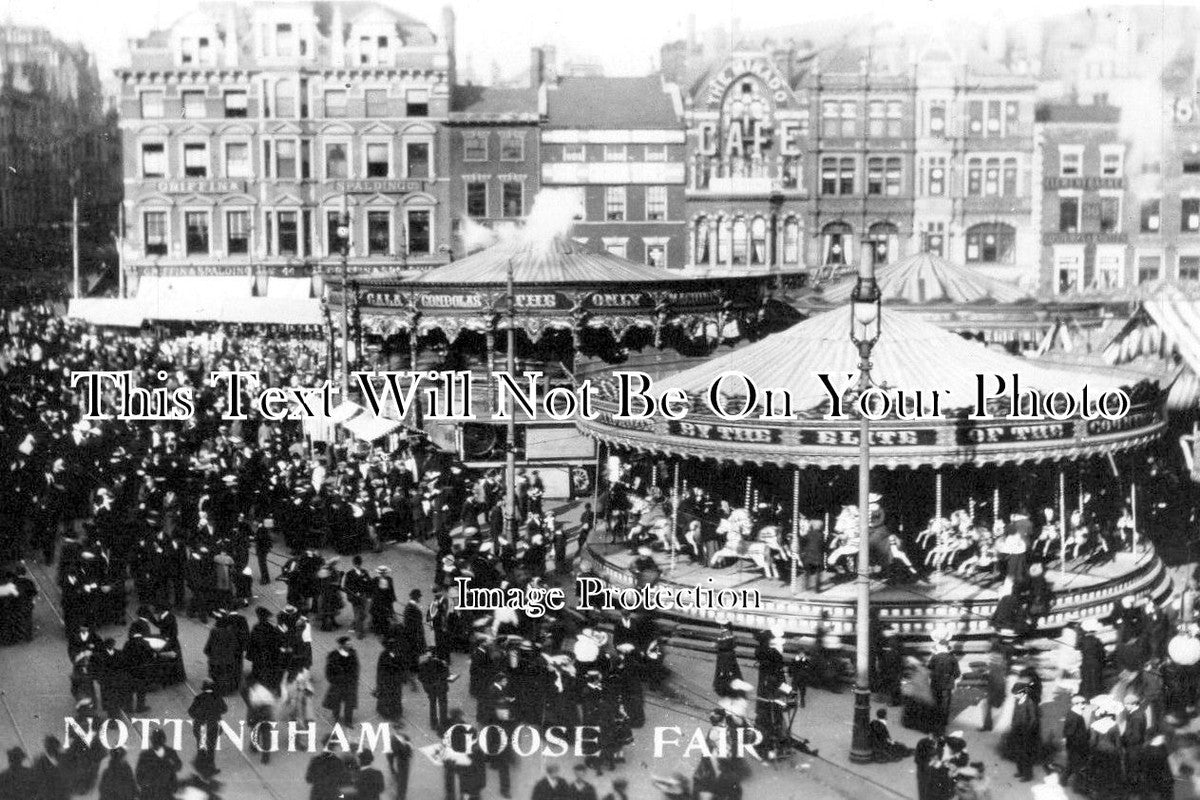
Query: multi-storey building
<point x="823" y="158"/>
<point x="974" y="120"/>
<point x="494" y="145"/>
<point x="56" y="143"/>
<point x="1082" y="201"/>
<point x="749" y="134"/>
<point x="618" y="143"/>
<point x="249" y="130"/>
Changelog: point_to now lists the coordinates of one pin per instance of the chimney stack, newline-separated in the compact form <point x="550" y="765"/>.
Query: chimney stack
<point x="537" y="67"/>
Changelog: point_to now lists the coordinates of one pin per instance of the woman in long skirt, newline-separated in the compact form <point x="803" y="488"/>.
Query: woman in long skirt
<point x="390" y="674"/>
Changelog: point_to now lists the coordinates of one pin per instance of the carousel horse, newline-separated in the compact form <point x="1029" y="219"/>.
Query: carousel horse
<point x="737" y="531"/>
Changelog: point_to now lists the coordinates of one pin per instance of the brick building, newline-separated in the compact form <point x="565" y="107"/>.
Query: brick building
<point x="618" y="143"/>
<point x="248" y="129"/>
<point x="1084" y="230"/>
<point x="495" y="168"/>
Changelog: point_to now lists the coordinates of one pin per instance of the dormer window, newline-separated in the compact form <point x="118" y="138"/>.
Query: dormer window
<point x="187" y="50"/>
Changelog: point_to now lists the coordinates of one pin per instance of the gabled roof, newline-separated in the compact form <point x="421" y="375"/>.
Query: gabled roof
<point x="611" y="104"/>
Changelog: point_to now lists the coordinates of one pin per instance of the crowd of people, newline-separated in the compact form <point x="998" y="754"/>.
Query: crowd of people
<point x="149" y="525"/>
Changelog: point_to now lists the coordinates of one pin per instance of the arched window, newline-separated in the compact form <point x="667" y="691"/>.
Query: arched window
<point x="791" y="241"/>
<point x="991" y="243"/>
<point x="703" y="241"/>
<point x="758" y="241"/>
<point x="741" y="241"/>
<point x="723" y="240"/>
<point x="837" y="243"/>
<point x="883" y="240"/>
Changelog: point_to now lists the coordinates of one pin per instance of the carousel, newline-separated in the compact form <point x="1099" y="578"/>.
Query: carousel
<point x="570" y="304"/>
<point x="965" y="301"/>
<point x="773" y="481"/>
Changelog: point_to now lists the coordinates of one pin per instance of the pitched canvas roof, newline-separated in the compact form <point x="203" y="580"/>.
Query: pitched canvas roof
<point x="562" y="260"/>
<point x="925" y="278"/>
<point x="911" y="354"/>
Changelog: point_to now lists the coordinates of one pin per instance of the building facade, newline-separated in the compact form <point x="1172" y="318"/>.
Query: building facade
<point x="1083" y="219"/>
<point x="817" y="159"/>
<point x="56" y="143"/>
<point x="618" y="145"/>
<point x="975" y="181"/>
<point x="250" y="129"/>
<point x="495" y="165"/>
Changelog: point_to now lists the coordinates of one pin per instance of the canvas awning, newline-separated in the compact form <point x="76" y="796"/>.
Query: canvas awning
<point x="108" y="311"/>
<point x="924" y="278"/>
<point x="289" y="288"/>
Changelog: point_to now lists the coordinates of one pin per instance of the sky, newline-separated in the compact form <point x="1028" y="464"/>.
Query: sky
<point x="624" y="36"/>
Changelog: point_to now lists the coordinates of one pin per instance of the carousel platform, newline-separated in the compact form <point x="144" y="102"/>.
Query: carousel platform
<point x="916" y="611"/>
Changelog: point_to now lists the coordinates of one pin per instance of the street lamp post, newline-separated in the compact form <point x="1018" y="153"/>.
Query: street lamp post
<point x="864" y="333"/>
<point x="344" y="235"/>
<point x="510" y="449"/>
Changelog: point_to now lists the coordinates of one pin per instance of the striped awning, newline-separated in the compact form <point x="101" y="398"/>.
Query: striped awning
<point x="926" y="279"/>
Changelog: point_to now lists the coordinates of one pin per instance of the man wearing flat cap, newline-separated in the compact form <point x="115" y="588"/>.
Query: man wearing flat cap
<point x="1025" y="736"/>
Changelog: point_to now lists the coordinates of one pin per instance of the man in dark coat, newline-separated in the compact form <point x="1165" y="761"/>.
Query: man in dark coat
<point x="265" y="651"/>
<point x="137" y="658"/>
<point x="812" y="555"/>
<point x="434" y="674"/>
<point x="327" y="774"/>
<point x="383" y="596"/>
<point x="1134" y="738"/>
<point x="889" y="664"/>
<point x="1025" y="736"/>
<point x="356" y="585"/>
<point x="224" y="655"/>
<point x="206" y="711"/>
<point x="1091" y="662"/>
<point x="1076" y="739"/>
<point x="18" y="780"/>
<point x="551" y="786"/>
<point x="414" y="627"/>
<point x="342" y="671"/>
<point x="158" y="769"/>
<point x="944" y="673"/>
<point x="117" y="781"/>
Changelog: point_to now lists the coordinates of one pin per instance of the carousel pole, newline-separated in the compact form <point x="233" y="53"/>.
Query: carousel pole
<point x="795" y="531"/>
<point x="674" y="517"/>
<point x="1133" y="512"/>
<point x="937" y="493"/>
<point x="596" y="490"/>
<point x="995" y="504"/>
<point x="1062" y="517"/>
<point x="749" y="488"/>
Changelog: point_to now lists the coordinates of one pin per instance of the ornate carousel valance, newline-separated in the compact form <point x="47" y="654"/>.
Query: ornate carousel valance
<point x="911" y="355"/>
<point x="562" y="285"/>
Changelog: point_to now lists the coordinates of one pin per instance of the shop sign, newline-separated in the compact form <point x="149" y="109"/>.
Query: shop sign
<point x="1083" y="182"/>
<point x="200" y="186"/>
<point x="380" y="185"/>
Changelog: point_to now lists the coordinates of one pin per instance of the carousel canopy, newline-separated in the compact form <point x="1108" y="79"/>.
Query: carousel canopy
<point x="560" y="261"/>
<point x="558" y="284"/>
<point x="924" y="279"/>
<point x="911" y="355"/>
